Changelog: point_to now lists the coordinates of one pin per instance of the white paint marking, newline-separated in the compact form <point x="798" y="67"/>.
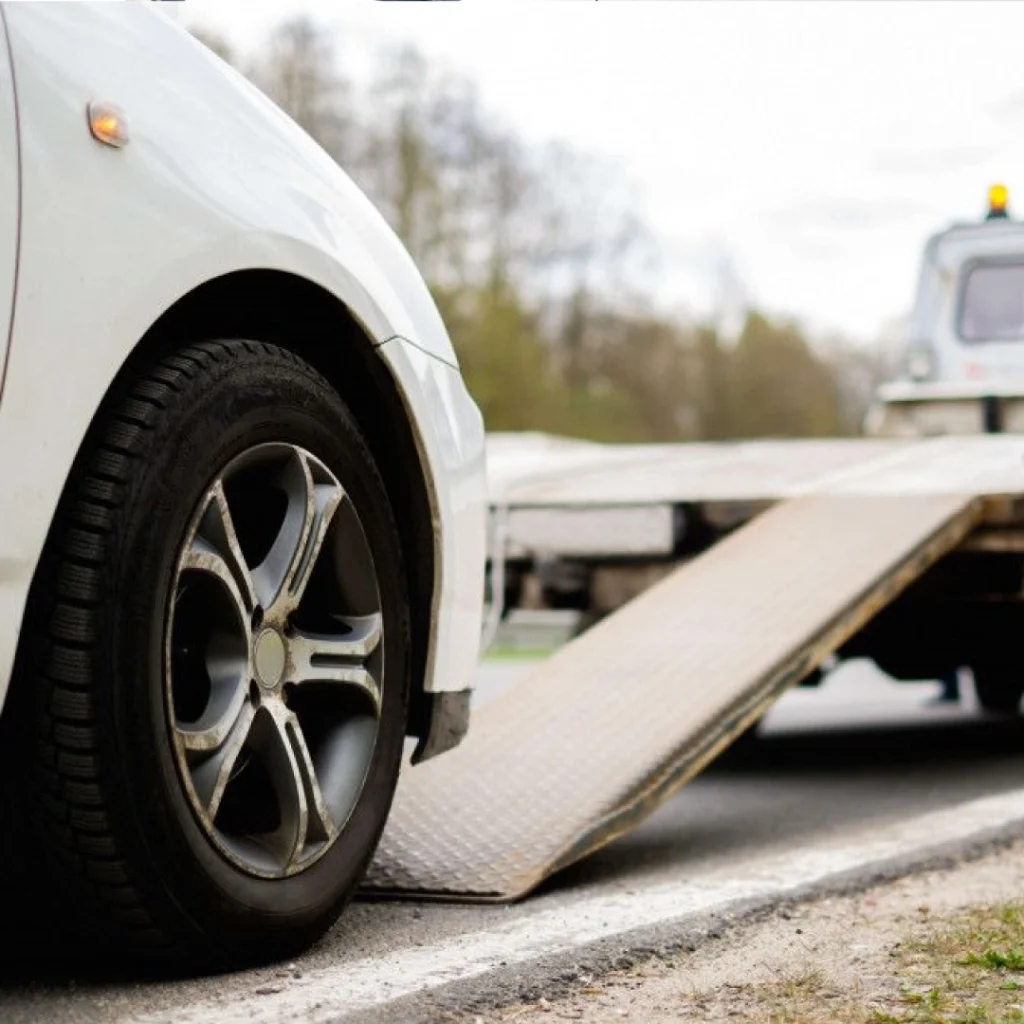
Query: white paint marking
<point x="325" y="994"/>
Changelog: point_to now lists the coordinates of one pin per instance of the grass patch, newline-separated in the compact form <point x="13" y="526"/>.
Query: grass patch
<point x="997" y="959"/>
<point x="518" y="653"/>
<point x="961" y="970"/>
<point x="967" y="969"/>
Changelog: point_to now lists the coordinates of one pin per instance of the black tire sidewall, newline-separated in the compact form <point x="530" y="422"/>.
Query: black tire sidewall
<point x="258" y="395"/>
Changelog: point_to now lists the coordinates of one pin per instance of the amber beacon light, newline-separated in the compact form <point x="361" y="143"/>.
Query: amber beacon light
<point x="108" y="124"/>
<point x="998" y="201"/>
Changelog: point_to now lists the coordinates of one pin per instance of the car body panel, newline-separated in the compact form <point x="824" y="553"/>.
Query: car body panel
<point x="214" y="179"/>
<point x="445" y="414"/>
<point x="9" y="201"/>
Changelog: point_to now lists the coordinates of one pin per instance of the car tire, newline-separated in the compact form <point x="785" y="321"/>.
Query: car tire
<point x="129" y="630"/>
<point x="999" y="689"/>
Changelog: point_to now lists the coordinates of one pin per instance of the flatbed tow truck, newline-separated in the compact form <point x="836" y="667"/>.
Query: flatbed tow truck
<point x="717" y="576"/>
<point x="963" y="368"/>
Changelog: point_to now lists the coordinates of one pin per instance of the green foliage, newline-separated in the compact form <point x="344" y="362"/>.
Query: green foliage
<point x="504" y="358"/>
<point x="997" y="959"/>
<point x="524" y="249"/>
<point x="779" y="386"/>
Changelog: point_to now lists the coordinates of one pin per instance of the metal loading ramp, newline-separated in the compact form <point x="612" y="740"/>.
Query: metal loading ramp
<point x="599" y="734"/>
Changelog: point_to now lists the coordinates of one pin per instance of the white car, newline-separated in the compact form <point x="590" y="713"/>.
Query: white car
<point x="242" y="516"/>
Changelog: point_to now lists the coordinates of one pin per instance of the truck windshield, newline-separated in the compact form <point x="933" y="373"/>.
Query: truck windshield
<point x="992" y="307"/>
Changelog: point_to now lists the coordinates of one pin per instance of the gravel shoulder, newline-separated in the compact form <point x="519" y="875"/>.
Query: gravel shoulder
<point x="944" y="945"/>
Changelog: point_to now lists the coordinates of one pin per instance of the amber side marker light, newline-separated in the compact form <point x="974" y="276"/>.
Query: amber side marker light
<point x="998" y="200"/>
<point x="108" y="125"/>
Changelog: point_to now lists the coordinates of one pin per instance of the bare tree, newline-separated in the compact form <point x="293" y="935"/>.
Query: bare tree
<point x="535" y="255"/>
<point x="298" y="70"/>
<point x="215" y="41"/>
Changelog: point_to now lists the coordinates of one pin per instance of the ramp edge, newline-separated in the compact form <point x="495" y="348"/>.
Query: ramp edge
<point x="745" y="713"/>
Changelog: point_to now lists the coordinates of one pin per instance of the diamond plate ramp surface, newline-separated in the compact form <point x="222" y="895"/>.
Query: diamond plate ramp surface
<point x="598" y="735"/>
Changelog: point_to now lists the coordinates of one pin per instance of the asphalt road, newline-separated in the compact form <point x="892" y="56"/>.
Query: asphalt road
<point x="833" y="765"/>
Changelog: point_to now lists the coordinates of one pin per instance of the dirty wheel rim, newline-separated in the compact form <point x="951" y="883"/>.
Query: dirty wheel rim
<point x="274" y="660"/>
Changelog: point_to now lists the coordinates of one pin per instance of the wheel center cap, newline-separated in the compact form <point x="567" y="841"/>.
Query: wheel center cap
<point x="269" y="657"/>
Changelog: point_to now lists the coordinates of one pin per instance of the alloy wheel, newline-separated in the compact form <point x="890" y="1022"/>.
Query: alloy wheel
<point x="274" y="660"/>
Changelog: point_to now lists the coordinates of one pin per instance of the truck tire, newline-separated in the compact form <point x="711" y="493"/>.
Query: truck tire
<point x="215" y="664"/>
<point x="999" y="688"/>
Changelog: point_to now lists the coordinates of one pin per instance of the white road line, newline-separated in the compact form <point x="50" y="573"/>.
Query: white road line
<point x="324" y="994"/>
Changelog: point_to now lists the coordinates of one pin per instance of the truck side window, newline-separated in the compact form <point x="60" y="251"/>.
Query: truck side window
<point x="992" y="307"/>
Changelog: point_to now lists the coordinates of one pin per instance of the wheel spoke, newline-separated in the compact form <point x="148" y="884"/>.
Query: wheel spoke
<point x="304" y="815"/>
<point x="210" y="778"/>
<point x="319" y="826"/>
<point x="214" y="548"/>
<point x="326" y="658"/>
<point x="313" y="498"/>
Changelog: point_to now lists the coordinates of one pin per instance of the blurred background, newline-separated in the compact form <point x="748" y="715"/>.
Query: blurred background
<point x="658" y="221"/>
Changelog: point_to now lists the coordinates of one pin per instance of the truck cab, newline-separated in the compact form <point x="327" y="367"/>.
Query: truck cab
<point x="963" y="368"/>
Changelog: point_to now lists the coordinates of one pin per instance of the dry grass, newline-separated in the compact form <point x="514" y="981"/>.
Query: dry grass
<point x="963" y="970"/>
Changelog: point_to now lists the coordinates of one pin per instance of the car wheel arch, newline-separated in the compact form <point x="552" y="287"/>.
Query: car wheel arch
<point x="294" y="313"/>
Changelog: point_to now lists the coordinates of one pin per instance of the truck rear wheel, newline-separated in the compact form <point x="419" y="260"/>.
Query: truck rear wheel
<point x="999" y="688"/>
<point x="216" y="664"/>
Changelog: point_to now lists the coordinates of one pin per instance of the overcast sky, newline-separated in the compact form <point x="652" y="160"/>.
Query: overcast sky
<point x="818" y="143"/>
